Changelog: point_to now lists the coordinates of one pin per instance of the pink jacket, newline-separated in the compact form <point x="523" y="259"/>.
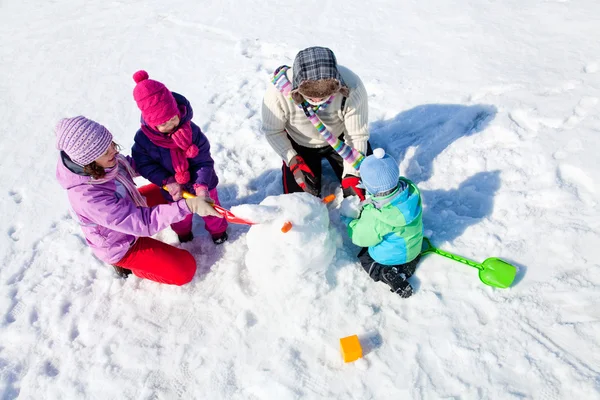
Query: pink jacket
<point x="112" y="223"/>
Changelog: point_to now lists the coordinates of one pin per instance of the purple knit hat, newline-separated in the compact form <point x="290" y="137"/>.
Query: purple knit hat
<point x="82" y="139"/>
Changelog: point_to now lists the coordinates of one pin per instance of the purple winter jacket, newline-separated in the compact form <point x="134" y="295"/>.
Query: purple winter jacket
<point x="154" y="163"/>
<point x="112" y="223"/>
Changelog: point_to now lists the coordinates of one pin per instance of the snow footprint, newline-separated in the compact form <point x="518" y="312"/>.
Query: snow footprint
<point x="530" y="124"/>
<point x="581" y="111"/>
<point x="248" y="47"/>
<point x="15" y="312"/>
<point x="576" y="179"/>
<point x="13" y="234"/>
<point x="74" y="332"/>
<point x="246" y="284"/>
<point x="50" y="369"/>
<point x="15" y="196"/>
<point x="246" y="319"/>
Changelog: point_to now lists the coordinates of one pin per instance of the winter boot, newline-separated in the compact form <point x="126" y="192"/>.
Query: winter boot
<point x="408" y="269"/>
<point x="396" y="280"/>
<point x="221" y="238"/>
<point x="188" y="237"/>
<point x="122" y="272"/>
<point x="394" y="276"/>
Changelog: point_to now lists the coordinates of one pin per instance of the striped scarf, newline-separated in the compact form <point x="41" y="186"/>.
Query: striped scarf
<point x="349" y="154"/>
<point x="124" y="174"/>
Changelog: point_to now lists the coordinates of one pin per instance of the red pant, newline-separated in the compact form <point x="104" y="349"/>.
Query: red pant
<point x="160" y="262"/>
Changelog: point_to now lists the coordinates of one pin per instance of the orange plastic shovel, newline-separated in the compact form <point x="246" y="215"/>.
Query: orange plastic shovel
<point x="228" y="215"/>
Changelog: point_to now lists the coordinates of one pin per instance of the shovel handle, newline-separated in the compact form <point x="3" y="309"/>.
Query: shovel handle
<point x="185" y="194"/>
<point x="455" y="257"/>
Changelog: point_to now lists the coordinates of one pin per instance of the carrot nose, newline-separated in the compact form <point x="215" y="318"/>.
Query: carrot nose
<point x="328" y="199"/>
<point x="287" y="225"/>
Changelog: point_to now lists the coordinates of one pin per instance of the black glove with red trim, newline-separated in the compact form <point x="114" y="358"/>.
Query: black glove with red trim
<point x="349" y="183"/>
<point x="303" y="176"/>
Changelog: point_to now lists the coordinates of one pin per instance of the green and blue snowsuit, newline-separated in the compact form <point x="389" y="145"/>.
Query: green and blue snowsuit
<point x="391" y="226"/>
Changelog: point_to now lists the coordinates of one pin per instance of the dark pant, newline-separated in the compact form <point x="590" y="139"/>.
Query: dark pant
<point x="312" y="157"/>
<point x="374" y="269"/>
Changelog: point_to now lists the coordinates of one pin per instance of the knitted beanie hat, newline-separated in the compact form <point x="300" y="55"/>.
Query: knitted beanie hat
<point x="154" y="100"/>
<point x="379" y="172"/>
<point x="82" y="139"/>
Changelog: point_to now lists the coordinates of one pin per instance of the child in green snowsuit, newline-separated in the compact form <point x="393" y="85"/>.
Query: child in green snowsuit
<point x="390" y="225"/>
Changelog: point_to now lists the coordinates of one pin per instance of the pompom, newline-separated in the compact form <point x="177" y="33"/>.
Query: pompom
<point x="191" y="151"/>
<point x="139" y="76"/>
<point x="379" y="152"/>
<point x="182" y="177"/>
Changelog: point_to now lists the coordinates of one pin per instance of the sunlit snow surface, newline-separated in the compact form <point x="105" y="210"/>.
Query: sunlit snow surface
<point x="490" y="107"/>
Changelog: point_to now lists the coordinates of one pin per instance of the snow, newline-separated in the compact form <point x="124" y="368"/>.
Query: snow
<point x="490" y="107"/>
<point x="351" y="207"/>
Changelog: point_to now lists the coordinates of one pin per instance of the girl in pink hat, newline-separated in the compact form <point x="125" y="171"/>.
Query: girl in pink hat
<point x="117" y="219"/>
<point x="171" y="151"/>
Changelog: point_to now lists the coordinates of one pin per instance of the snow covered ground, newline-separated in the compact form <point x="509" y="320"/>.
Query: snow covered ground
<point x="491" y="107"/>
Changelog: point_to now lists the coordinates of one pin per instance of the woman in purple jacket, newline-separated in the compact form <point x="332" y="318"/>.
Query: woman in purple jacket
<point x="115" y="217"/>
<point x="171" y="151"/>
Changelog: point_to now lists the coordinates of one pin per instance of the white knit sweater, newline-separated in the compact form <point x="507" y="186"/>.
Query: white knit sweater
<point x="281" y="116"/>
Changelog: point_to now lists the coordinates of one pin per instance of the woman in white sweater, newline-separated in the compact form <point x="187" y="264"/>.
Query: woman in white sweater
<point x="338" y="98"/>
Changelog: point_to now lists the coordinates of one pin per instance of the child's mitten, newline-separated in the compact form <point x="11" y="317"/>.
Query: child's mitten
<point x="202" y="191"/>
<point x="175" y="190"/>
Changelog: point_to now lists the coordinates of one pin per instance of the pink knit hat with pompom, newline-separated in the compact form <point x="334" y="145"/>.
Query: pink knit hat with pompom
<point x="154" y="100"/>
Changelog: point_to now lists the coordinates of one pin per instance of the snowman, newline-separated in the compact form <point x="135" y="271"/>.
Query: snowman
<point x="290" y="246"/>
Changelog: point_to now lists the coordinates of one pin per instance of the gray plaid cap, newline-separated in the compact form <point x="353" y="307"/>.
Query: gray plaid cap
<point x="313" y="64"/>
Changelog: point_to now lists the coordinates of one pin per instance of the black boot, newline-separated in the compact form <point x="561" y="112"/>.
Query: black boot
<point x="188" y="237"/>
<point x="122" y="272"/>
<point x="409" y="268"/>
<point x="396" y="280"/>
<point x="394" y="276"/>
<point x="220" y="239"/>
